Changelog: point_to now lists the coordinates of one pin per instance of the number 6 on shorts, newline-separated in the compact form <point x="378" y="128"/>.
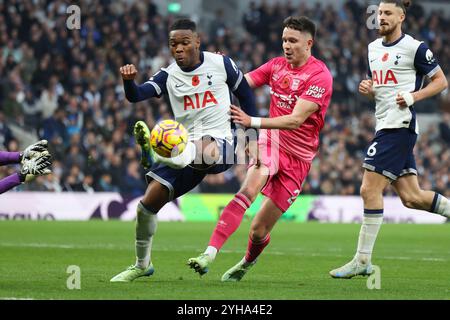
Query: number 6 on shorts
<point x="372" y="150"/>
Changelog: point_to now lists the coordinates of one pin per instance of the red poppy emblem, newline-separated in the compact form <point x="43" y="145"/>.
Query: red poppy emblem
<point x="385" y="57"/>
<point x="285" y="82"/>
<point x="195" y="81"/>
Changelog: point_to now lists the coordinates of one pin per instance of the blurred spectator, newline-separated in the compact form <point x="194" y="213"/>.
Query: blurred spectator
<point x="105" y="184"/>
<point x="5" y="132"/>
<point x="218" y="26"/>
<point x="48" y="101"/>
<point x="55" y="129"/>
<point x="133" y="183"/>
<point x="32" y="111"/>
<point x="252" y="19"/>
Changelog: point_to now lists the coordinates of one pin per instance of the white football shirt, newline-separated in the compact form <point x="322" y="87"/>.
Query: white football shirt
<point x="200" y="98"/>
<point x="395" y="67"/>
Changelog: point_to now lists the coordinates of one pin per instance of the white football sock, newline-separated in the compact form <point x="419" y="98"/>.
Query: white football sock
<point x="442" y="206"/>
<point x="367" y="236"/>
<point x="146" y="223"/>
<point x="180" y="161"/>
<point x="211" y="251"/>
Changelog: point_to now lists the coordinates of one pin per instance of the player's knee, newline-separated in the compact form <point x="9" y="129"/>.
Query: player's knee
<point x="249" y="192"/>
<point x="155" y="197"/>
<point x="258" y="232"/>
<point x="365" y="192"/>
<point x="411" y="201"/>
<point x="150" y="207"/>
<point x="153" y="205"/>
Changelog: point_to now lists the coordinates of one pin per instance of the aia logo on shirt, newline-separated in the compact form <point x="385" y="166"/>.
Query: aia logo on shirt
<point x="379" y="77"/>
<point x="199" y="100"/>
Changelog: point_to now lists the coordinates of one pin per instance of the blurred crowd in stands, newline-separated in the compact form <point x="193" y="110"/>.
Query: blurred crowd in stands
<point x="64" y="86"/>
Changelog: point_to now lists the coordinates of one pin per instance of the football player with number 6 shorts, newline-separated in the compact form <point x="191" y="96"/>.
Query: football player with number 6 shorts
<point x="398" y="64"/>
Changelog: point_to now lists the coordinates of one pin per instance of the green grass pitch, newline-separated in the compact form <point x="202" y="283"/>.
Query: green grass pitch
<point x="414" y="262"/>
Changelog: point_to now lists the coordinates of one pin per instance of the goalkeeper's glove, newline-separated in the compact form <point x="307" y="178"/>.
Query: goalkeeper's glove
<point x="36" y="166"/>
<point x="33" y="149"/>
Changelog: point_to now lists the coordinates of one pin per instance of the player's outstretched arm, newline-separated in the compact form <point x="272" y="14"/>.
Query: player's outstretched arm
<point x="9" y="182"/>
<point x="38" y="164"/>
<point x="438" y="84"/>
<point x="302" y="110"/>
<point x="7" y="157"/>
<point x="133" y="92"/>
<point x="250" y="81"/>
<point x="29" y="152"/>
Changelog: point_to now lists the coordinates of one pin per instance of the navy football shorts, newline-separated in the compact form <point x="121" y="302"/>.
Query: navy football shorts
<point x="391" y="153"/>
<point x="181" y="181"/>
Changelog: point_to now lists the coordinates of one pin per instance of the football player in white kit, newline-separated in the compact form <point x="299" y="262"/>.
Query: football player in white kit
<point x="397" y="66"/>
<point x="199" y="85"/>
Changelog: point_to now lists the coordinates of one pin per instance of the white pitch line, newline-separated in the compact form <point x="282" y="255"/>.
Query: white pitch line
<point x="433" y="259"/>
<point x="296" y="252"/>
<point x="15" y="298"/>
<point x="58" y="246"/>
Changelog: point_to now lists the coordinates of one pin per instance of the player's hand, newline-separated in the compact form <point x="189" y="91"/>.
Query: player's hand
<point x="128" y="72"/>
<point x="240" y="117"/>
<point x="38" y="165"/>
<point x="400" y="100"/>
<point x="35" y="148"/>
<point x="366" y="88"/>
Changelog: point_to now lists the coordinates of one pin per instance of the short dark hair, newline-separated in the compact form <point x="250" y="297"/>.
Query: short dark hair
<point x="302" y="24"/>
<point x="183" y="24"/>
<point x="404" y="4"/>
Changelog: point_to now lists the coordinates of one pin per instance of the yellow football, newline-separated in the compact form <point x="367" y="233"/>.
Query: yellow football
<point x="168" y="138"/>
